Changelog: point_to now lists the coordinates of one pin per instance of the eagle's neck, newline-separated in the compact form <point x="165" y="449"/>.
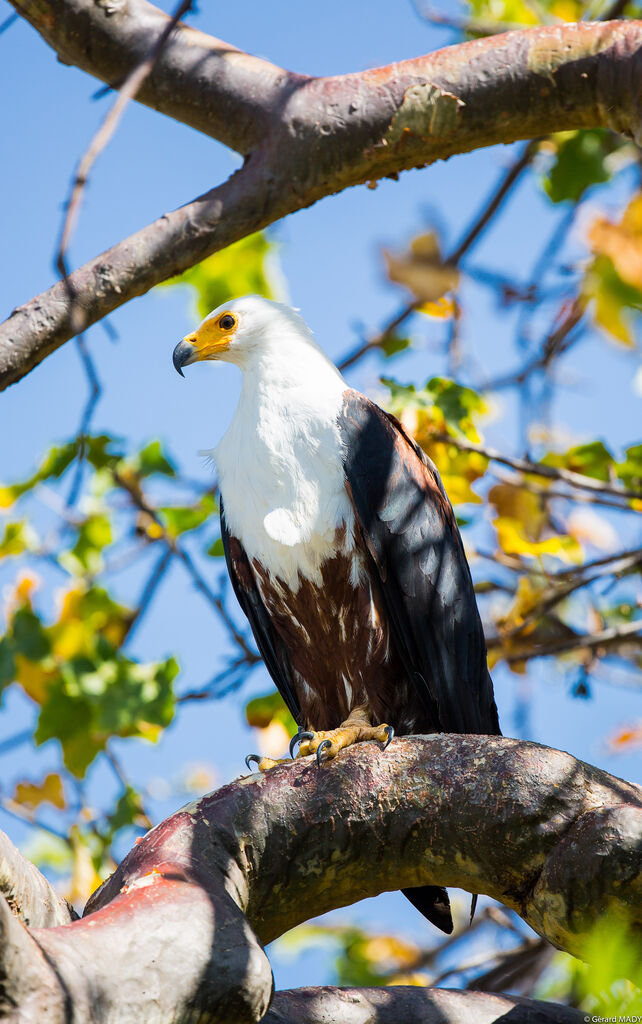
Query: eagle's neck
<point x="280" y="463"/>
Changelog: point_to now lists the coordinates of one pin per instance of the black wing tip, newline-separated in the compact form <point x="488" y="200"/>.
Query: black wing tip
<point x="432" y="901"/>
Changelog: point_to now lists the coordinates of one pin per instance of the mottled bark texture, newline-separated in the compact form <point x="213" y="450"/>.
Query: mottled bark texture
<point x="412" y="1005"/>
<point x="176" y="933"/>
<point x="305" y="138"/>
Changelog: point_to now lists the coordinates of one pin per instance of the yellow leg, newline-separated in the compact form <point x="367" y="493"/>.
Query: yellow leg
<point x="356" y="729"/>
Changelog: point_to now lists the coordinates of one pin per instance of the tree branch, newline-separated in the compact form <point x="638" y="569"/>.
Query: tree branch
<point x="308" y="138"/>
<point x="412" y="1005"/>
<point x="568" y="476"/>
<point x="31" y="897"/>
<point x="553" y="838"/>
<point x="198" y="79"/>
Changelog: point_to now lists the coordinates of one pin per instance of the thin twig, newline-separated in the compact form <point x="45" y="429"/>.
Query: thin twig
<point x="127" y="92"/>
<point x="479" y="224"/>
<point x="149" y="590"/>
<point x="569" y="477"/>
<point x="141" y="503"/>
<point x="85" y="420"/>
<point x="615" y="636"/>
<point x="8" y="22"/>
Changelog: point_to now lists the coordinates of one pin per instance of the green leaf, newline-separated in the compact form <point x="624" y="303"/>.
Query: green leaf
<point x="261" y="711"/>
<point x="215" y="550"/>
<point x="7" y="664"/>
<point x="152" y="459"/>
<point x="127" y="812"/>
<point x="458" y="405"/>
<point x="53" y="465"/>
<point x="394" y="344"/>
<point x="29" y="637"/>
<point x="94" y="534"/>
<point x="579" y="163"/>
<point x="630" y="470"/>
<point x="94" y="700"/>
<point x="18" y="537"/>
<point x="246" y="267"/>
<point x="593" y="459"/>
<point x="99" y="451"/>
<point x="179" y="519"/>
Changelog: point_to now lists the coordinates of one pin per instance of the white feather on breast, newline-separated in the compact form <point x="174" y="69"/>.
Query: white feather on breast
<point x="280" y="464"/>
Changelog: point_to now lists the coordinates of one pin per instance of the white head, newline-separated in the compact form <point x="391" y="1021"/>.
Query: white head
<point x="243" y="331"/>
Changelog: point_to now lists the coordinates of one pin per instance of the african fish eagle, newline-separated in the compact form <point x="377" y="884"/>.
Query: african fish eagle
<point x="343" y="550"/>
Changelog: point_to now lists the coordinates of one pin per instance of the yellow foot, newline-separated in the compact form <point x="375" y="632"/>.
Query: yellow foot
<point x="263" y="763"/>
<point x="327" y="745"/>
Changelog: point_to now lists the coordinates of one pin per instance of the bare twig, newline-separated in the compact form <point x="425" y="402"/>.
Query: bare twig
<point x="149" y="590"/>
<point x="478" y="225"/>
<point x="127" y="92"/>
<point x="8" y="22"/>
<point x="616" y="636"/>
<point x="569" y="477"/>
<point x="85" y="421"/>
<point x="214" y="600"/>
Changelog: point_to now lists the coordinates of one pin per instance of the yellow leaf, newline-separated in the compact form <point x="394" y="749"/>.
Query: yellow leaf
<point x="32" y="794"/>
<point x="520" y="504"/>
<point x="33" y="678"/>
<point x="84" y="879"/>
<point x="422" y="270"/>
<point x="443" y="307"/>
<point x="527" y="597"/>
<point x="514" y="541"/>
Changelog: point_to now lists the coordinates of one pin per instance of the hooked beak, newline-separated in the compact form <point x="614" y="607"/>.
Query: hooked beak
<point x="184" y="354"/>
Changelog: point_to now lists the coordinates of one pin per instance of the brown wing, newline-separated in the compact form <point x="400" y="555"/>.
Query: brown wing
<point x="410" y="531"/>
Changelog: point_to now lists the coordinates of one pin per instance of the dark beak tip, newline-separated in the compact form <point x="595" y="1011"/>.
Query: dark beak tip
<point x="182" y="353"/>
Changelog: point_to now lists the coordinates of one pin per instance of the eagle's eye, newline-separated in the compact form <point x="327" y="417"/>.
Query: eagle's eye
<point x="227" y="322"/>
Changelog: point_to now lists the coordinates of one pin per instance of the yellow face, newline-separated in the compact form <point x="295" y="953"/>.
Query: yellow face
<point x="212" y="337"/>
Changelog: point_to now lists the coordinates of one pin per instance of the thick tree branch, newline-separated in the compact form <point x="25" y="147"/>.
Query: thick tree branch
<point x="412" y="1005"/>
<point x="28" y="893"/>
<point x="308" y="138"/>
<point x="192" y="904"/>
<point x="198" y="79"/>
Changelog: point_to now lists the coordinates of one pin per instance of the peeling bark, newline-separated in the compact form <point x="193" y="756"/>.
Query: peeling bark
<point x="305" y="138"/>
<point x="190" y="907"/>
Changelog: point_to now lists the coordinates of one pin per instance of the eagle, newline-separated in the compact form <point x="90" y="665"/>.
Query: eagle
<point x="343" y="550"/>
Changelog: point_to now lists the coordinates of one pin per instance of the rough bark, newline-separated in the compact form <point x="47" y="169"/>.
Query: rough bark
<point x="412" y="1005"/>
<point x="192" y="904"/>
<point x="29" y="895"/>
<point x="305" y="138"/>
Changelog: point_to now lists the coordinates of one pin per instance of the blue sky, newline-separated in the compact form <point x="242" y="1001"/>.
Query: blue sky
<point x="331" y="256"/>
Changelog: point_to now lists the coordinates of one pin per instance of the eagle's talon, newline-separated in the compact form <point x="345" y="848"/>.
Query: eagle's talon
<point x="300" y="736"/>
<point x="252" y="757"/>
<point x="390" y="733"/>
<point x="323" y="745"/>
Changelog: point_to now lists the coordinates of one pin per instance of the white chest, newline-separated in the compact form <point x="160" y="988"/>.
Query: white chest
<point x="281" y="476"/>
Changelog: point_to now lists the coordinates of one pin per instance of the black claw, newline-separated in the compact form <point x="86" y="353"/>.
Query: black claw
<point x="391" y="734"/>
<point x="293" y="742"/>
<point x="250" y="758"/>
<point x="322" y="746"/>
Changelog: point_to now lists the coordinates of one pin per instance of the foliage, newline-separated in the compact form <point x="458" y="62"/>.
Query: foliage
<point x="246" y="268"/>
<point x="550" y="559"/>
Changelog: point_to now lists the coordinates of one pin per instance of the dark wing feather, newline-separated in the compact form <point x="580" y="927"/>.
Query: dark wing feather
<point x="409" y="529"/>
<point x="270" y="645"/>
